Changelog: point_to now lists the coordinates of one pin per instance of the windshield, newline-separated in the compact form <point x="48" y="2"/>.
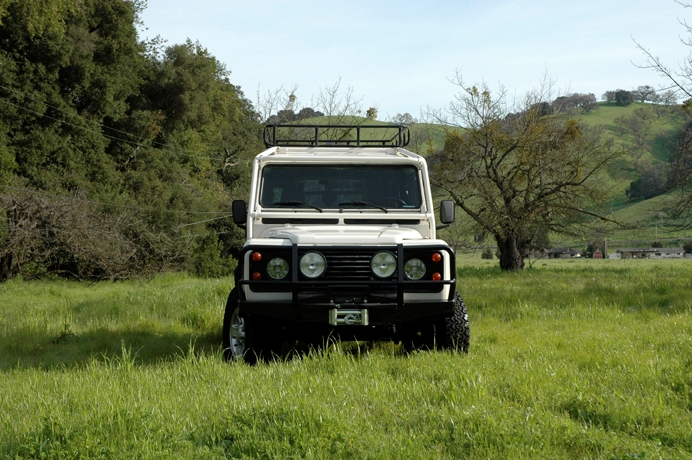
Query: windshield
<point x="381" y="187"/>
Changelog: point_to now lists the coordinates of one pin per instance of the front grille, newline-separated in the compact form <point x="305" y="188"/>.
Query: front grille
<point x="348" y="265"/>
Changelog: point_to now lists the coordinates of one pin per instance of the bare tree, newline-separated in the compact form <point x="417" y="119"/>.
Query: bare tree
<point x="339" y="106"/>
<point x="669" y="98"/>
<point x="680" y="79"/>
<point x="518" y="173"/>
<point x="403" y="119"/>
<point x="334" y="104"/>
<point x="585" y="102"/>
<point x="680" y="83"/>
<point x="644" y="93"/>
<point x="51" y="234"/>
<point x="278" y="103"/>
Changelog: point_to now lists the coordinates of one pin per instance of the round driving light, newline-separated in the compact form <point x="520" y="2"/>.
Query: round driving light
<point x="277" y="268"/>
<point x="436" y="257"/>
<point x="312" y="264"/>
<point x="383" y="264"/>
<point x="414" y="269"/>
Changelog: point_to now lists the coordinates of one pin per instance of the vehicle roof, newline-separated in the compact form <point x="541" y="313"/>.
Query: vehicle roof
<point x="340" y="154"/>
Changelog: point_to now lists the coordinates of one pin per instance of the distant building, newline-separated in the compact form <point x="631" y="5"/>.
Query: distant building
<point x="669" y="253"/>
<point x="597" y="254"/>
<point x="651" y="253"/>
<point x="562" y="253"/>
<point x="635" y="253"/>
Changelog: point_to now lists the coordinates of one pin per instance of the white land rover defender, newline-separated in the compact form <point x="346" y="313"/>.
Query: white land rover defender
<point x="341" y="240"/>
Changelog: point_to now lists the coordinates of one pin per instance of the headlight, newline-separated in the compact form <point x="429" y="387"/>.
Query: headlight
<point x="312" y="264"/>
<point x="277" y="268"/>
<point x="383" y="264"/>
<point x="414" y="269"/>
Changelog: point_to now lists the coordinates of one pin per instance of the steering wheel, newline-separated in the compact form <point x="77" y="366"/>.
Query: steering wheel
<point x="395" y="202"/>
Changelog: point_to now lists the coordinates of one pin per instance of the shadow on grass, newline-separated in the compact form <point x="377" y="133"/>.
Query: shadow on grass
<point x="25" y="351"/>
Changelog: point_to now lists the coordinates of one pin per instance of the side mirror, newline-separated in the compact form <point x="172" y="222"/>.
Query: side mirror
<point x="239" y="212"/>
<point x="447" y="212"/>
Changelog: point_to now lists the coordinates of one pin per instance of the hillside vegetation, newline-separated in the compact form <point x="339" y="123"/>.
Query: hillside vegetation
<point x="117" y="157"/>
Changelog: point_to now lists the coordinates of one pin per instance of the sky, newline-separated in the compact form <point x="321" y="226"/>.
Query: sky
<point x="399" y="56"/>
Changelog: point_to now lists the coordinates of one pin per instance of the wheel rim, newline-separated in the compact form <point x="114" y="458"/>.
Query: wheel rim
<point x="237" y="334"/>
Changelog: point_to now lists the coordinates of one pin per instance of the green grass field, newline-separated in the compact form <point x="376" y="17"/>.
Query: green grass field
<point x="569" y="359"/>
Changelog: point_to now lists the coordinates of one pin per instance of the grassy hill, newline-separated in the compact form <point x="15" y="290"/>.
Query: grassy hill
<point x="666" y="124"/>
<point x="644" y="220"/>
<point x="647" y="219"/>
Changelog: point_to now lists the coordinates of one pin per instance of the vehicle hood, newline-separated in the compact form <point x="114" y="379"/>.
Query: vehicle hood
<point x="351" y="234"/>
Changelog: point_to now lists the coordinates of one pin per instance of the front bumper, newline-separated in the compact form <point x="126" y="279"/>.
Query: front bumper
<point x="377" y="314"/>
<point x="396" y="300"/>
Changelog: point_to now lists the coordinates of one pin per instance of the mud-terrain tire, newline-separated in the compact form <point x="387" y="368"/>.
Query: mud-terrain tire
<point x="248" y="338"/>
<point x="454" y="333"/>
<point x="451" y="333"/>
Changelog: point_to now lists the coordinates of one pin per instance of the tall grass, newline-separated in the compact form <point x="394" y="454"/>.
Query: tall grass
<point x="591" y="359"/>
<point x="56" y="323"/>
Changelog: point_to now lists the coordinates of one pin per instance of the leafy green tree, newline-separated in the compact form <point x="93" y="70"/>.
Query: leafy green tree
<point x="61" y="78"/>
<point x="585" y="102"/>
<point x="623" y="97"/>
<point x="89" y="111"/>
<point x="518" y="174"/>
<point x="687" y="246"/>
<point x="619" y="96"/>
<point x="653" y="181"/>
<point x="680" y="84"/>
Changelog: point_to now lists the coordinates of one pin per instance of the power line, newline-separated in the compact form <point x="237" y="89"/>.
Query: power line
<point x="173" y="150"/>
<point x="100" y="125"/>
<point x="74" y="114"/>
<point x="97" y="232"/>
<point x="204" y="221"/>
<point x="80" y="200"/>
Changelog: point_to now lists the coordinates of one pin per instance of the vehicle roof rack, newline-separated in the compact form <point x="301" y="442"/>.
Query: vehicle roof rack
<point x="295" y="135"/>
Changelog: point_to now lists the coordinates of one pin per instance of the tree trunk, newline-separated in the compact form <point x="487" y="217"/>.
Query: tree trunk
<point x="511" y="249"/>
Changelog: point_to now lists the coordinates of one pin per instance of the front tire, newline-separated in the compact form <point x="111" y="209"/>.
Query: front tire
<point x="454" y="333"/>
<point x="451" y="333"/>
<point x="247" y="338"/>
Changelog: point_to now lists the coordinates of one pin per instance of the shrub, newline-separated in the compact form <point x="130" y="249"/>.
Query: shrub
<point x="207" y="259"/>
<point x="687" y="246"/>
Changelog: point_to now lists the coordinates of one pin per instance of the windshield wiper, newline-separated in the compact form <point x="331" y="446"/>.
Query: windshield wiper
<point x="363" y="204"/>
<point x="296" y="203"/>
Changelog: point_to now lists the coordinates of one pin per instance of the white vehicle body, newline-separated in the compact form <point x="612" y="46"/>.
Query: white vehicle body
<point x="341" y="237"/>
<point x="345" y="231"/>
